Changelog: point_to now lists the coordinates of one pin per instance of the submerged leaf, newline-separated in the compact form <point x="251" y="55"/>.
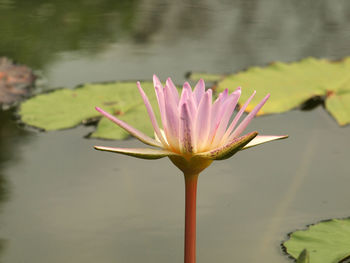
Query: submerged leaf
<point x="327" y="242"/>
<point x="15" y="81"/>
<point x="65" y="108"/>
<point x="291" y="84"/>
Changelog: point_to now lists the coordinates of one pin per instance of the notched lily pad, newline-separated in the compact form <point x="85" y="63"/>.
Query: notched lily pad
<point x="65" y="108"/>
<point x="16" y="81"/>
<point x="292" y="84"/>
<point x="326" y="242"/>
<point x="303" y="257"/>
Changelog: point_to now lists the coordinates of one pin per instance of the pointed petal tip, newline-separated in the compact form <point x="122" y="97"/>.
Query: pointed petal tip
<point x="264" y="139"/>
<point x="134" y="132"/>
<point x="238" y="91"/>
<point x="101" y="110"/>
<point x="140" y="88"/>
<point x="156" y="81"/>
<point x="187" y="84"/>
<point x="143" y="153"/>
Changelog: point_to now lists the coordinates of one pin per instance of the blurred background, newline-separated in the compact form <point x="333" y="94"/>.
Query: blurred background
<point x="63" y="202"/>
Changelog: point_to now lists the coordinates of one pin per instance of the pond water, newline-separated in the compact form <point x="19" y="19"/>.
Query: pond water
<point x="61" y="201"/>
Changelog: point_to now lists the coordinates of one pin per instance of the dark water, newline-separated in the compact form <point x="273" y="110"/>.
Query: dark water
<point x="61" y="201"/>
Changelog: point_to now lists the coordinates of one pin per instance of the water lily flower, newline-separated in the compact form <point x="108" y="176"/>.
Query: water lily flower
<point x="194" y="133"/>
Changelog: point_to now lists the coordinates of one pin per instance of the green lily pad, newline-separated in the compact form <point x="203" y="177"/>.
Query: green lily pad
<point x="303" y="257"/>
<point x="327" y="241"/>
<point x="291" y="84"/>
<point x="65" y="108"/>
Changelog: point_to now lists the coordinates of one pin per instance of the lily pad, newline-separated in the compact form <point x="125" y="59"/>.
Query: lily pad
<point x="291" y="84"/>
<point x="65" y="108"/>
<point x="303" y="257"/>
<point x="327" y="241"/>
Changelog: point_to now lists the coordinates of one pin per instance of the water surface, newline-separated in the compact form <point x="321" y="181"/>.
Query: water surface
<point x="61" y="201"/>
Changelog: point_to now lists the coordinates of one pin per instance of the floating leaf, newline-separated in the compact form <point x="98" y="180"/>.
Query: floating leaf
<point x="291" y="84"/>
<point x="303" y="257"/>
<point x="338" y="104"/>
<point x="327" y="242"/>
<point x="65" y="108"/>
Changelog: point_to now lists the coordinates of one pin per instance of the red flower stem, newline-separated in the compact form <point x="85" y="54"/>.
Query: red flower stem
<point x="190" y="218"/>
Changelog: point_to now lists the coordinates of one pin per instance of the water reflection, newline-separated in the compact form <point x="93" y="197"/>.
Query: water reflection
<point x="172" y="37"/>
<point x="172" y="19"/>
<point x="254" y="32"/>
<point x="10" y="136"/>
<point x="33" y="31"/>
<point x="58" y="195"/>
<point x="252" y="28"/>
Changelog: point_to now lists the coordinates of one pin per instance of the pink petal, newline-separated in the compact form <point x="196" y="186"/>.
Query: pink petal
<point x="202" y="123"/>
<point x="226" y="151"/>
<point x="236" y="119"/>
<point x="263" y="139"/>
<point x="224" y="95"/>
<point x="215" y="114"/>
<point x="187" y="96"/>
<point x="228" y="108"/>
<point x="142" y="153"/>
<point x="186" y="130"/>
<point x="184" y="97"/>
<point x="151" y="114"/>
<point x="134" y="132"/>
<point x="199" y="91"/>
<point x="172" y="118"/>
<point x="156" y="81"/>
<point x="161" y="104"/>
<point x="173" y="89"/>
<point x="248" y="119"/>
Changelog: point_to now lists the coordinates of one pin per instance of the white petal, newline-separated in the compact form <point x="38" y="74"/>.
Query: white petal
<point x="260" y="139"/>
<point x="143" y="153"/>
